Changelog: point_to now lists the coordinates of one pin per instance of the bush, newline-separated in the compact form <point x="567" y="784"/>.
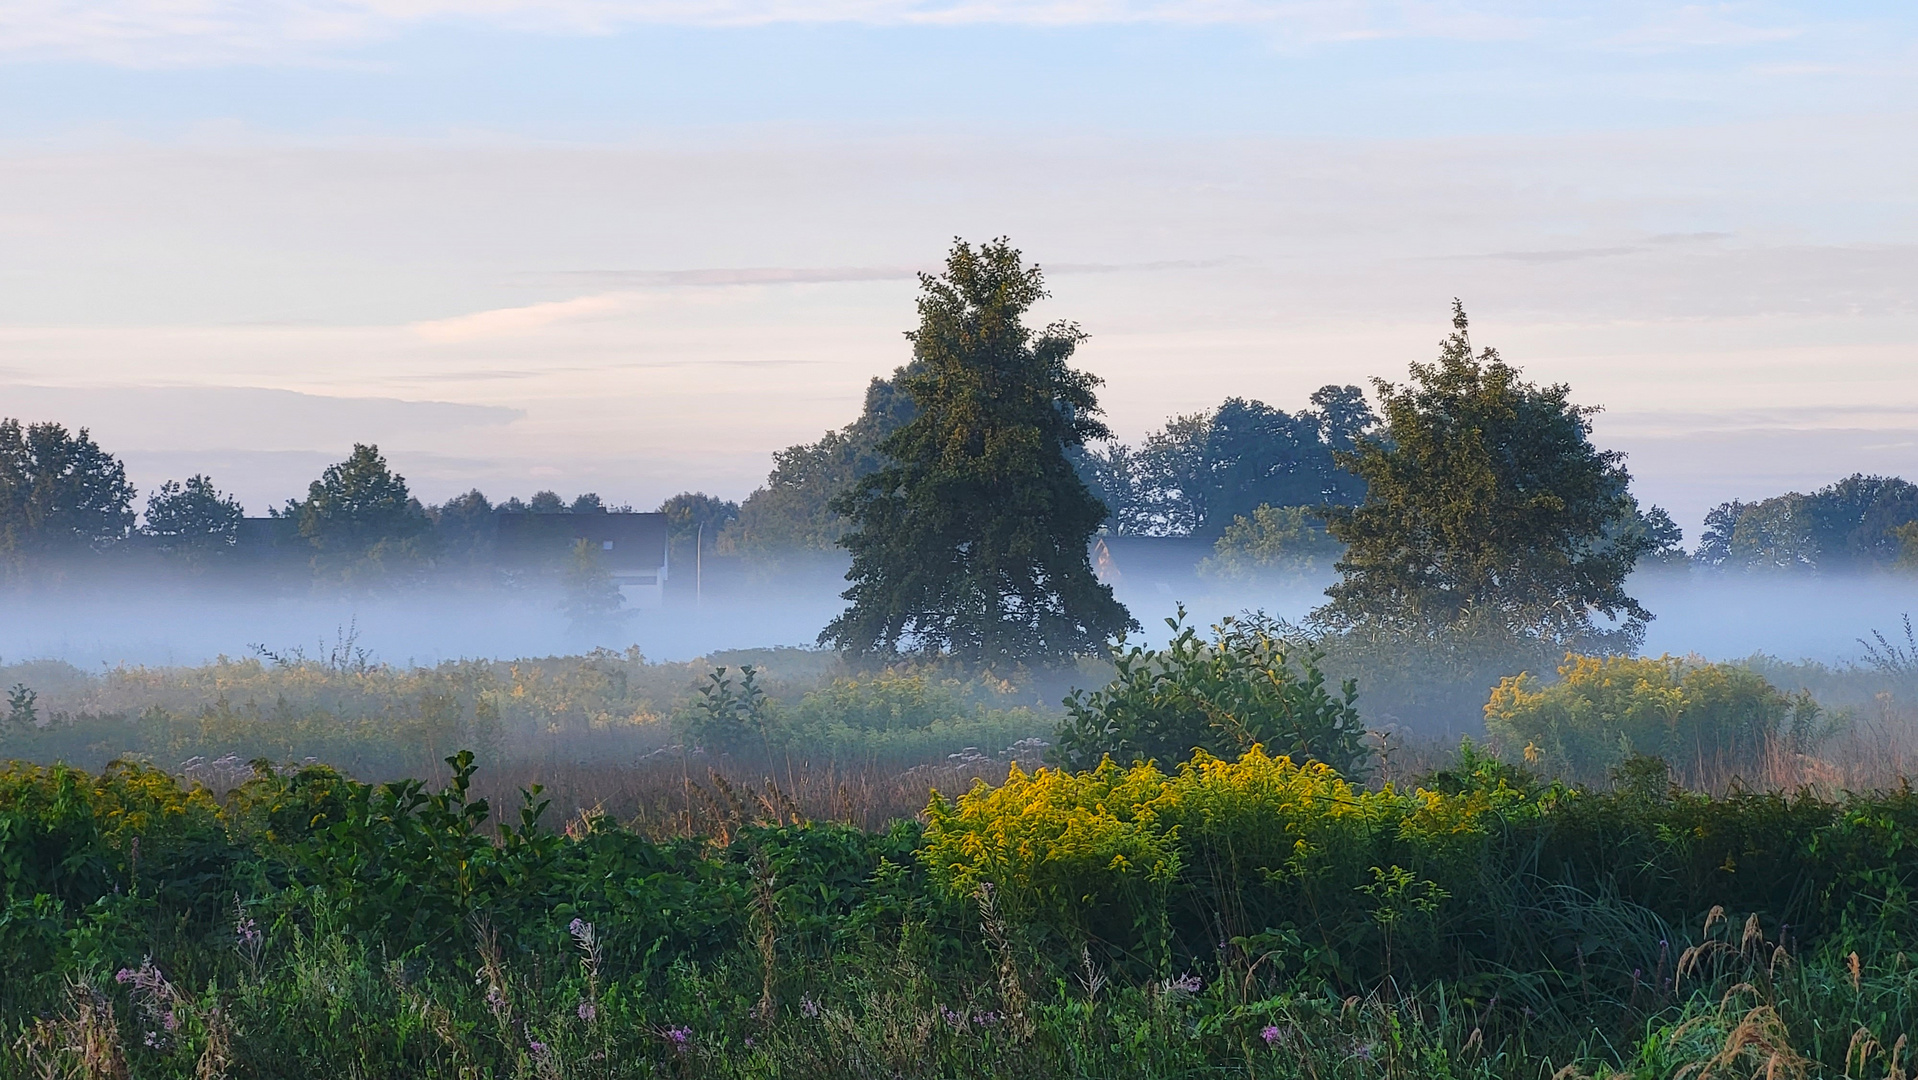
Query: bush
<point x="1290" y="857"/>
<point x="1245" y="687"/>
<point x="1706" y="719"/>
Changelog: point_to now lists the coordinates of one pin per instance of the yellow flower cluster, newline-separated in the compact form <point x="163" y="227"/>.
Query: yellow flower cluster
<point x="1067" y="842"/>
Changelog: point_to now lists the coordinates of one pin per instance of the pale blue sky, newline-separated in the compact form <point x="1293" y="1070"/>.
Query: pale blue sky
<point x="1704" y="217"/>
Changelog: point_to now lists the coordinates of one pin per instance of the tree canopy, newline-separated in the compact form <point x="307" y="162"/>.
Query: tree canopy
<point x="361" y="519"/>
<point x="794" y="510"/>
<point x="972" y="539"/>
<point x="1853" y="524"/>
<point x="1487" y="508"/>
<point x="193" y="519"/>
<point x="1205" y="470"/>
<point x="60" y="493"/>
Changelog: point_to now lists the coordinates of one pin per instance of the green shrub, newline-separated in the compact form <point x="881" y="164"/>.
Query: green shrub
<point x="1708" y="720"/>
<point x="1245" y="687"/>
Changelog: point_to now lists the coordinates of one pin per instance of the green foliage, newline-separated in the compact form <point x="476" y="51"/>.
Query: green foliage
<point x="696" y="518"/>
<point x="1275" y="542"/>
<point x="973" y="540"/>
<point x="463" y="527"/>
<point x="1257" y="915"/>
<point x="1487" y="512"/>
<point x="794" y="510"/>
<point x="1860" y="522"/>
<point x="193" y="520"/>
<point x="910" y="713"/>
<point x="1706" y="719"/>
<point x="60" y="493"/>
<point x="1204" y="470"/>
<point x="1244" y="687"/>
<point x="723" y="716"/>
<point x="361" y="520"/>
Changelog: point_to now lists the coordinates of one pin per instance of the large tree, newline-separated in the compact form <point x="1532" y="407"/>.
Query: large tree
<point x="1488" y="511"/>
<point x="972" y="540"/>
<point x="60" y="493"/>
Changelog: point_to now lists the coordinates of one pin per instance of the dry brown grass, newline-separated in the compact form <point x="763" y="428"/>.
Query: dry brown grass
<point x="689" y="793"/>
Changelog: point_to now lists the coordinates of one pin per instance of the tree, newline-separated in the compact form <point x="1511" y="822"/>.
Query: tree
<point x="793" y="511"/>
<point x="194" y="519"/>
<point x="1112" y="474"/>
<point x="973" y="540"/>
<point x="360" y="518"/>
<point x="60" y="493"/>
<point x="590" y="599"/>
<point x="691" y="515"/>
<point x="1206" y="470"/>
<point x="1487" y="510"/>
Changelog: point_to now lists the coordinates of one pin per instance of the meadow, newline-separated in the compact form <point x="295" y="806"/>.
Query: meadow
<point x="631" y="869"/>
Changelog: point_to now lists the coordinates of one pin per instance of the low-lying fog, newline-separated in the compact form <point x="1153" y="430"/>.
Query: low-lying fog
<point x="1720" y="616"/>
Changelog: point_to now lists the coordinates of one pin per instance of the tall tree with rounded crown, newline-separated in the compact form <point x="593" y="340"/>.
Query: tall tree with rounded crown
<point x="972" y="542"/>
<point x="1487" y="512"/>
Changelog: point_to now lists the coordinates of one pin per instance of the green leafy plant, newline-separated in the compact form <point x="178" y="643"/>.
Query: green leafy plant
<point x="1244" y="686"/>
<point x="1704" y="718"/>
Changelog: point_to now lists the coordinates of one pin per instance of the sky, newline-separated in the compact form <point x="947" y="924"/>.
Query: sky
<point x="636" y="246"/>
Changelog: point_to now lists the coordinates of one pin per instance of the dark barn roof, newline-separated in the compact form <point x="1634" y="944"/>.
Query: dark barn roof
<point x="627" y="543"/>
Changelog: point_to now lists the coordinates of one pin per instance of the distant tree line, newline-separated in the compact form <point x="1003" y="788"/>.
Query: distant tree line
<point x="1195" y="477"/>
<point x="1859" y="523"/>
<point x="65" y="499"/>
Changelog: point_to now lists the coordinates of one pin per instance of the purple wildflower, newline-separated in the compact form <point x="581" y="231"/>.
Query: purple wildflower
<point x="808" y="1008"/>
<point x="680" y="1037"/>
<point x="1271" y="1034"/>
<point x="587" y="1011"/>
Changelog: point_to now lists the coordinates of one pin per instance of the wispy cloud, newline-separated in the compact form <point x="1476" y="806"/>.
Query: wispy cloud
<point x="517" y="321"/>
<point x="798" y="275"/>
<point x="167" y="33"/>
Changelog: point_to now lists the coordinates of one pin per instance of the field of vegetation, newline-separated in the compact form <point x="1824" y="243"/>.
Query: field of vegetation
<point x="810" y="871"/>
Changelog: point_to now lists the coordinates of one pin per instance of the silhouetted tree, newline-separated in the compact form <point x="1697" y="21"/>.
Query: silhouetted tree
<point x="60" y="493"/>
<point x="361" y="520"/>
<point x="463" y="525"/>
<point x="193" y="519"/>
<point x="973" y="540"/>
